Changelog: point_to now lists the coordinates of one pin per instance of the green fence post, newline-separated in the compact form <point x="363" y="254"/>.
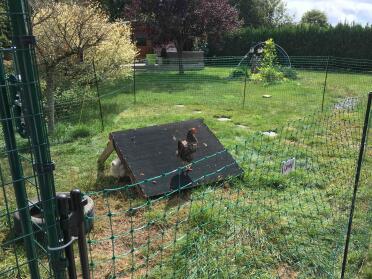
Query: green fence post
<point x="245" y="83"/>
<point x="17" y="176"/>
<point x="36" y="128"/>
<point x="134" y="81"/>
<point x="98" y="95"/>
<point x="325" y="83"/>
<point x="362" y="148"/>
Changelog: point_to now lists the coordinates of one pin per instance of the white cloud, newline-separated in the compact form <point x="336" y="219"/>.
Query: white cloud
<point x="359" y="11"/>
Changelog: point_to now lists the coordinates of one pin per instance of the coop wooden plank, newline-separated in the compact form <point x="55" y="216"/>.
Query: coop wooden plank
<point x="150" y="151"/>
<point x="106" y="153"/>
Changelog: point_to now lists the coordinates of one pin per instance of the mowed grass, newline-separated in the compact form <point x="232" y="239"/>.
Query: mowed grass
<point x="262" y="251"/>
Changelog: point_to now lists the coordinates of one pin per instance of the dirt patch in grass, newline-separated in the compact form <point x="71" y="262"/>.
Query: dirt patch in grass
<point x="126" y="241"/>
<point x="130" y="239"/>
<point x="286" y="272"/>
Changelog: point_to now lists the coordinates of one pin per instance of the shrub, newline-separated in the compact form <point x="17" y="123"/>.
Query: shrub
<point x="342" y="40"/>
<point x="80" y="131"/>
<point x="240" y="72"/>
<point x="268" y="74"/>
<point x="66" y="133"/>
<point x="289" y="73"/>
<point x="269" y="70"/>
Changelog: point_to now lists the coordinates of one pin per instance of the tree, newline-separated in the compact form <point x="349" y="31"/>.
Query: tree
<point x="274" y="13"/>
<point x="4" y="27"/>
<point x="315" y="17"/>
<point x="114" y="8"/>
<point x="69" y="37"/>
<point x="248" y="11"/>
<point x="257" y="13"/>
<point x="181" y="20"/>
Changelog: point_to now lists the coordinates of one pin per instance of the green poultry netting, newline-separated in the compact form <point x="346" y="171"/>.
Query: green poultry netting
<point x="267" y="224"/>
<point x="286" y="217"/>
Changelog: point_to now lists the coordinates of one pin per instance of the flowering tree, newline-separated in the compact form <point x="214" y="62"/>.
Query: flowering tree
<point x="69" y="36"/>
<point x="180" y="20"/>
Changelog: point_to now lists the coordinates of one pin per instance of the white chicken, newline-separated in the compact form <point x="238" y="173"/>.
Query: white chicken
<point x="117" y="169"/>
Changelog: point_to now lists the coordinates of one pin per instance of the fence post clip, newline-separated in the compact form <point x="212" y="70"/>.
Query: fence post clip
<point x="16" y="101"/>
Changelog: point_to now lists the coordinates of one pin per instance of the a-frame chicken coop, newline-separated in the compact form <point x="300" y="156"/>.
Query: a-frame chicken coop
<point x="150" y="157"/>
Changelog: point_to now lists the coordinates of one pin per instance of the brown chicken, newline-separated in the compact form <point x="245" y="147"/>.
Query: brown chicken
<point x="187" y="147"/>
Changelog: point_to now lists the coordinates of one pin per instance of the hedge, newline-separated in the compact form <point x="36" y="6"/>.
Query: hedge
<point x="353" y="41"/>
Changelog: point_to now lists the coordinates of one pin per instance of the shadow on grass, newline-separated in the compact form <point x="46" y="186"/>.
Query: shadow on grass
<point x="174" y="82"/>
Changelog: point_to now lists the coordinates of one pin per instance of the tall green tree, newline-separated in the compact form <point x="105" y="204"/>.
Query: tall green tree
<point x="258" y="13"/>
<point x="315" y="17"/>
<point x="248" y="11"/>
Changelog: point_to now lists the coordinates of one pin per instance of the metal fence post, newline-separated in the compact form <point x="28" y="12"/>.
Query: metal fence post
<point x="245" y="83"/>
<point x="362" y="148"/>
<point x="63" y="205"/>
<point x="98" y="95"/>
<point x="134" y="81"/>
<point x="325" y="83"/>
<point x="30" y="94"/>
<point x="17" y="176"/>
<point x="78" y="211"/>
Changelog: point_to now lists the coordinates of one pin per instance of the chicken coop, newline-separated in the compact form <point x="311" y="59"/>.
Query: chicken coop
<point x="147" y="152"/>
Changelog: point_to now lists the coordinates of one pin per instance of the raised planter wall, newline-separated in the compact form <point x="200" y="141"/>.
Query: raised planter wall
<point x="192" y="60"/>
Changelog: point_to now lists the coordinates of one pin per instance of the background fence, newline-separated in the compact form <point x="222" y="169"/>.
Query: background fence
<point x="265" y="224"/>
<point x="26" y="167"/>
<point x="316" y="83"/>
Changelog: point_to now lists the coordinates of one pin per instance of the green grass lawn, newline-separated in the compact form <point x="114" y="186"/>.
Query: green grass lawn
<point x="249" y="229"/>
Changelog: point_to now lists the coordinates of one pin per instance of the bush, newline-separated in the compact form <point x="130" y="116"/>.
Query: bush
<point x="240" y="72"/>
<point x="342" y="40"/>
<point x="268" y="74"/>
<point x="80" y="131"/>
<point x="65" y="133"/>
<point x="69" y="102"/>
<point x="268" y="71"/>
<point x="289" y="73"/>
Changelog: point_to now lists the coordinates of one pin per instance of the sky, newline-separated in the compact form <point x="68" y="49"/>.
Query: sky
<point x="359" y="11"/>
